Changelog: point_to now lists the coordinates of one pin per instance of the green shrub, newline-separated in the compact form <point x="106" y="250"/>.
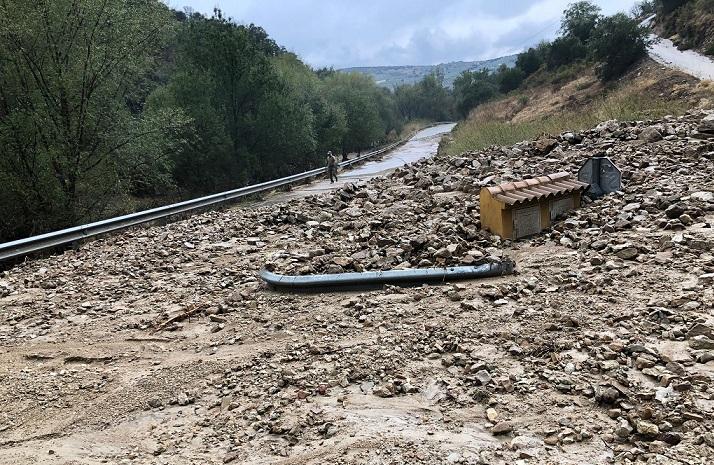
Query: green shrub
<point x="529" y="61"/>
<point x="509" y="78"/>
<point x="568" y="73"/>
<point x="617" y="42"/>
<point x="472" y="88"/>
<point x="565" y="50"/>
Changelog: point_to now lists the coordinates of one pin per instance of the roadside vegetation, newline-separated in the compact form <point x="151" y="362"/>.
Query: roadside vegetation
<point x="628" y="103"/>
<point x="570" y="84"/>
<point x="110" y="106"/>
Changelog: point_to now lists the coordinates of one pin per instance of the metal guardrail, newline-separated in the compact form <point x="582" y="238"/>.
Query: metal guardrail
<point x="22" y="247"/>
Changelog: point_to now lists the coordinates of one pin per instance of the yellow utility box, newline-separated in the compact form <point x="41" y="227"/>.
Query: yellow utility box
<point x="523" y="208"/>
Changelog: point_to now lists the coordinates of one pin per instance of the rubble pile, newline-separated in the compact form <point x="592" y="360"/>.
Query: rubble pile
<point x="600" y="349"/>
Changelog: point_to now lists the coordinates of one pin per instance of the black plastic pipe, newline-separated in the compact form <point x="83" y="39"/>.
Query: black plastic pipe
<point x="379" y="278"/>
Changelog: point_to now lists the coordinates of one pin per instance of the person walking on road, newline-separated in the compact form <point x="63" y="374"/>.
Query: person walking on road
<point x="332" y="167"/>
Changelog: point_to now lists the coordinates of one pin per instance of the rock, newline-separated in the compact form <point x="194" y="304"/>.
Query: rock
<point x="155" y="403"/>
<point x="383" y="391"/>
<point x="5" y="288"/>
<point x="483" y="377"/>
<point x="708" y="439"/>
<point x="491" y="415"/>
<point x="515" y="349"/>
<point x="454" y="457"/>
<point x="671" y="438"/>
<point x="628" y="253"/>
<point x="545" y="146"/>
<point x="701" y="343"/>
<point x="503" y="427"/>
<point x="443" y="253"/>
<point x="700" y="329"/>
<point x="183" y="399"/>
<point x="572" y="138"/>
<point x="647" y="429"/>
<point x="703" y="196"/>
<point x="650" y="134"/>
<point x="366" y="387"/>
<point x="675" y="211"/>
<point x="607" y="395"/>
<point x="529" y="447"/>
<point x="623" y="429"/>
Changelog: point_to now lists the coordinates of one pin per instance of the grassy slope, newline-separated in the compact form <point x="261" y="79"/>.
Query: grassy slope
<point x="548" y="107"/>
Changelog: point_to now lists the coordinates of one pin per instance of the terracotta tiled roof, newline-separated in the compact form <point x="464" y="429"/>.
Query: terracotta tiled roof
<point x="512" y="193"/>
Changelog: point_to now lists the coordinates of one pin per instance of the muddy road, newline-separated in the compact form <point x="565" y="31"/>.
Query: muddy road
<point x="160" y="346"/>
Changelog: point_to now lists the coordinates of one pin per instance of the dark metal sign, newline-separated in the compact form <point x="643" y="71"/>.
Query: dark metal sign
<point x="602" y="175"/>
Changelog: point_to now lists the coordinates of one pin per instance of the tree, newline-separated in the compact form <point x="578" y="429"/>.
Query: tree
<point x="472" y="88"/>
<point x="565" y="50"/>
<point x="509" y="78"/>
<point x="65" y="125"/>
<point x="330" y="120"/>
<point x="104" y="100"/>
<point x="529" y="61"/>
<point x="617" y="43"/>
<point x="357" y="95"/>
<point x="426" y="99"/>
<point x="580" y="19"/>
<point x="229" y="80"/>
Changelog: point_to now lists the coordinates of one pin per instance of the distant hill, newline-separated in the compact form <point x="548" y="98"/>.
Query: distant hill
<point x="392" y="76"/>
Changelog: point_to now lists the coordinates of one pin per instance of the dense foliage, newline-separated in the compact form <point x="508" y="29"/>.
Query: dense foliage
<point x="616" y="43"/>
<point x="473" y="88"/>
<point x="73" y="77"/>
<point x="113" y="105"/>
<point x="427" y="99"/>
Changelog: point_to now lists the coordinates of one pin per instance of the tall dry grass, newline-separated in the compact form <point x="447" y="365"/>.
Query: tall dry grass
<point x="482" y="129"/>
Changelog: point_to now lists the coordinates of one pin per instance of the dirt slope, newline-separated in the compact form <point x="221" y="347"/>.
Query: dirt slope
<point x="160" y="346"/>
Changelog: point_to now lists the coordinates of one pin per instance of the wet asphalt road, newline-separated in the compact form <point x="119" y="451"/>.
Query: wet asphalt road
<point x="424" y="144"/>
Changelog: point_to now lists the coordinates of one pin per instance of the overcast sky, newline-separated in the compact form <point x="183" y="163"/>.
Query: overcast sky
<point x="344" y="33"/>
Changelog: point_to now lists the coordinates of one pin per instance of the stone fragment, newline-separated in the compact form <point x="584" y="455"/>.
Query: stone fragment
<point x="647" y="429"/>
<point x="650" y="134"/>
<point x="503" y="427"/>
<point x="701" y="343"/>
